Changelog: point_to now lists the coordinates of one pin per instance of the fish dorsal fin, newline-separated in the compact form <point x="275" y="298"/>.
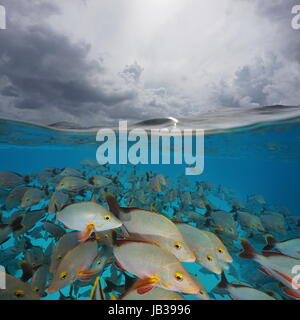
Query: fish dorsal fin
<point x="113" y="205"/>
<point x="131" y="239"/>
<point x="248" y="251"/>
<point x="272" y="254"/>
<point x="266" y="272"/>
<point x="287" y="277"/>
<point x="223" y="284"/>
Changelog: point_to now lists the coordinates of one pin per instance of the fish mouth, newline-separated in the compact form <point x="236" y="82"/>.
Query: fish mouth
<point x="217" y="271"/>
<point x="192" y="291"/>
<point x="192" y="259"/>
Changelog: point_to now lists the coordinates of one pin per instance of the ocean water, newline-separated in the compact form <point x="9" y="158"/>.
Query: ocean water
<point x="247" y="156"/>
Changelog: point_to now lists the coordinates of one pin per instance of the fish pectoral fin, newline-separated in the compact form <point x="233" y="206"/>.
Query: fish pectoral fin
<point x="265" y="271"/>
<point x="85" y="278"/>
<point x="86" y="273"/>
<point x="143" y="286"/>
<point x="145" y="289"/>
<point x="291" y="293"/>
<point x="285" y="276"/>
<point x="86" y="233"/>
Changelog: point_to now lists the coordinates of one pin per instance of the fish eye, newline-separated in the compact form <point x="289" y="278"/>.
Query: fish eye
<point x="19" y="293"/>
<point x="220" y="250"/>
<point x="63" y="275"/>
<point x="36" y="289"/>
<point x="177" y="245"/>
<point x="178" y="276"/>
<point x="107" y="217"/>
<point x="209" y="258"/>
<point x="59" y="257"/>
<point x="106" y="235"/>
<point x="201" y="292"/>
<point x="231" y="229"/>
<point x="99" y="262"/>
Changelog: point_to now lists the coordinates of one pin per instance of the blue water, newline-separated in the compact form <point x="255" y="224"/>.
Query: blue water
<point x="264" y="161"/>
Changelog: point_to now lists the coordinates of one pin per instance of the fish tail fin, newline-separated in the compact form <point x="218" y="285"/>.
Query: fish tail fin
<point x="223" y="284"/>
<point x="271" y="242"/>
<point x="114" y="238"/>
<point x="113" y="205"/>
<point x="248" y="251"/>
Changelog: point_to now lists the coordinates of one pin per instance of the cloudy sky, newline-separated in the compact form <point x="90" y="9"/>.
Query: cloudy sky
<point x="98" y="61"/>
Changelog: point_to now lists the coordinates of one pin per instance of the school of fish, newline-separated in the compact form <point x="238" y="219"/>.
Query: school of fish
<point x="105" y="233"/>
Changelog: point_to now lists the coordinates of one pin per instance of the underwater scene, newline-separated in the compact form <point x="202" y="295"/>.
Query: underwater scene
<point x="74" y="229"/>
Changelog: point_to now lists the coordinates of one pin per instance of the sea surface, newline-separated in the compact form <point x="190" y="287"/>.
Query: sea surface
<point x="253" y="152"/>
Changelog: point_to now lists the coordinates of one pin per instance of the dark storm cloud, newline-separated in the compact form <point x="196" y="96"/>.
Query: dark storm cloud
<point x="44" y="70"/>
